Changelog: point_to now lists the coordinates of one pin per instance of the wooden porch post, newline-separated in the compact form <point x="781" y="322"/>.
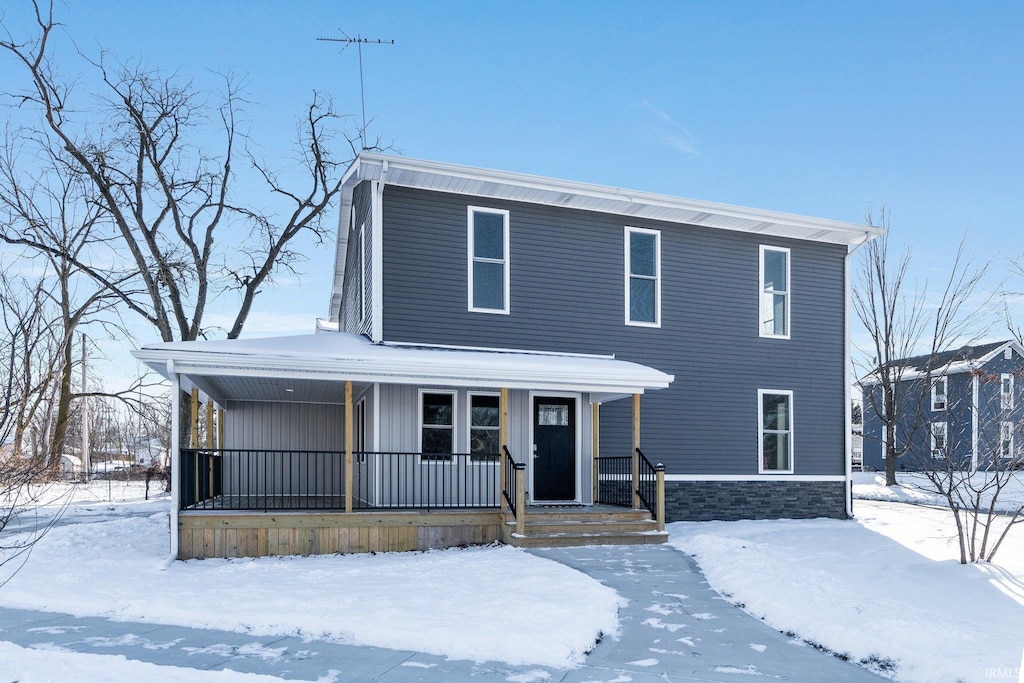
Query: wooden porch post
<point x="595" y="427"/>
<point x="193" y="439"/>
<point x="210" y="432"/>
<point x="636" y="456"/>
<point x="348" y="446"/>
<point x="503" y="439"/>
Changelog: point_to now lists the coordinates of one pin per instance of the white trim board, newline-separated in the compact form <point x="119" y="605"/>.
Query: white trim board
<point x="755" y="477"/>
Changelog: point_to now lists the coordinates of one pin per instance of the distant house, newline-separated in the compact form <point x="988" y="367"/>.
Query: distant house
<point x="962" y="406"/>
<point x="492" y="337"/>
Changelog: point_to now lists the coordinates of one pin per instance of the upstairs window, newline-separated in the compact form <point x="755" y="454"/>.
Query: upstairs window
<point x="938" y="439"/>
<point x="1006" y="389"/>
<point x="488" y="260"/>
<point x="774" y="292"/>
<point x="484" y="427"/>
<point x="775" y="414"/>
<point x="437" y="426"/>
<point x="939" y="394"/>
<point x="643" y="277"/>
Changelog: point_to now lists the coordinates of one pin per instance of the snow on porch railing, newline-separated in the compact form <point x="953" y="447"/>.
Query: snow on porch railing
<point x="256" y="479"/>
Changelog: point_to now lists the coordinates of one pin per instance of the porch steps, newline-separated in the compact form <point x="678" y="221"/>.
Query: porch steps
<point x="580" y="526"/>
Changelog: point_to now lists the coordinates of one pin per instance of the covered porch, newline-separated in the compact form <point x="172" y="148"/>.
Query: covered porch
<point x="332" y="443"/>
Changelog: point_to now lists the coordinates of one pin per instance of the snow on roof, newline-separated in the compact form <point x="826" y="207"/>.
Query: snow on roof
<point x="341" y="356"/>
<point x="963" y="359"/>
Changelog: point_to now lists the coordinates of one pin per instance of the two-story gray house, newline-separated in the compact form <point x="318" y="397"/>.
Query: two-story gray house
<point x="960" y="408"/>
<point x="515" y="357"/>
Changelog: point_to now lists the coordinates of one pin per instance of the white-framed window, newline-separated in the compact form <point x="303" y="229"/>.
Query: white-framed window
<point x="1006" y="389"/>
<point x="361" y="271"/>
<point x="939" y="394"/>
<point x="484" y="427"/>
<point x="938" y="439"/>
<point x="775" y="426"/>
<point x="1006" y="440"/>
<point x="643" y="277"/>
<point x="437" y="425"/>
<point x="885" y="442"/>
<point x="774" y="292"/>
<point x="1008" y="353"/>
<point x="488" y="266"/>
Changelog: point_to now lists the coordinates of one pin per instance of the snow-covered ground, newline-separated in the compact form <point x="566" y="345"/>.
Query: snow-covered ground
<point x="915" y="488"/>
<point x="885" y="590"/>
<point x="438" y="602"/>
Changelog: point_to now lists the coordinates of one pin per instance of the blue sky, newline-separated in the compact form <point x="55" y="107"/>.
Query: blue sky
<point x="819" y="108"/>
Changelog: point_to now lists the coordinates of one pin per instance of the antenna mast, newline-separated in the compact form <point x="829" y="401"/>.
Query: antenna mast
<point x="359" y="41"/>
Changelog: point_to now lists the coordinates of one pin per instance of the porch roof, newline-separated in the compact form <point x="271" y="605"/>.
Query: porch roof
<point x="225" y="369"/>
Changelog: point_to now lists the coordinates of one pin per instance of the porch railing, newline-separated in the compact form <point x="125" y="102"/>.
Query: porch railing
<point x="615" y="480"/>
<point x="255" y="479"/>
<point x="514" y="489"/>
<point x="618" y="481"/>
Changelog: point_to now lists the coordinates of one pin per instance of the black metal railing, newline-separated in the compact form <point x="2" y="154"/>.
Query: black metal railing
<point x="615" y="480"/>
<point x="428" y="481"/>
<point x="200" y="476"/>
<point x="255" y="479"/>
<point x="647" y="486"/>
<point x="514" y="471"/>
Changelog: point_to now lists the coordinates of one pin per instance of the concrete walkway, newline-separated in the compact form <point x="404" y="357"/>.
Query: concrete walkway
<point x="675" y="628"/>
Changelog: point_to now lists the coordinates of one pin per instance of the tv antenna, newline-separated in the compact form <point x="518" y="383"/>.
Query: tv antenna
<point x="359" y="41"/>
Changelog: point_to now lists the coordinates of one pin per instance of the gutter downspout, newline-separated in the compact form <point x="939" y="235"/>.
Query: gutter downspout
<point x="848" y="376"/>
<point x="175" y="458"/>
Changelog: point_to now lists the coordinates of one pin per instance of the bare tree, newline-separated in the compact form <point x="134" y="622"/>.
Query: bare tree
<point x="975" y="497"/>
<point x="163" y="196"/>
<point x="901" y="322"/>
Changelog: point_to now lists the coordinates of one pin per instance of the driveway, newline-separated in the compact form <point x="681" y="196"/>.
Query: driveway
<point x="675" y="628"/>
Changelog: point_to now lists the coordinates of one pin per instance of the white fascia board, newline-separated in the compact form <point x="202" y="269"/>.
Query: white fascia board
<point x="605" y="379"/>
<point x="761" y="221"/>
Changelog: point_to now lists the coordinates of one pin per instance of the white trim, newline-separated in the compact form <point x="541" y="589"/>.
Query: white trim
<point x="472" y="258"/>
<point x="498" y="349"/>
<point x="752" y="477"/>
<point x="974" y="422"/>
<point x="945" y="393"/>
<point x="1006" y="400"/>
<point x="579" y="438"/>
<point x="419" y="421"/>
<point x="628" y="275"/>
<point x="468" y="431"/>
<point x="377" y="258"/>
<point x="788" y="292"/>
<point x="1003" y="428"/>
<point x="885" y="439"/>
<point x="761" y="393"/>
<point x="175" y="457"/>
<point x="361" y="273"/>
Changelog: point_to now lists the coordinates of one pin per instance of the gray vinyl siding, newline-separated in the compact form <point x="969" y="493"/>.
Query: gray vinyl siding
<point x="294" y="427"/>
<point x="400" y="425"/>
<point x="913" y="433"/>
<point x="352" y="318"/>
<point x="567" y="294"/>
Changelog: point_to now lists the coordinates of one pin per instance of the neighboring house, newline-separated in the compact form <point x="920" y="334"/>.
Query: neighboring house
<point x="960" y="407"/>
<point x="492" y="339"/>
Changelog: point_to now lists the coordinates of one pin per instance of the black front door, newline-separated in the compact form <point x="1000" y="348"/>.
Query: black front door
<point x="554" y="439"/>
